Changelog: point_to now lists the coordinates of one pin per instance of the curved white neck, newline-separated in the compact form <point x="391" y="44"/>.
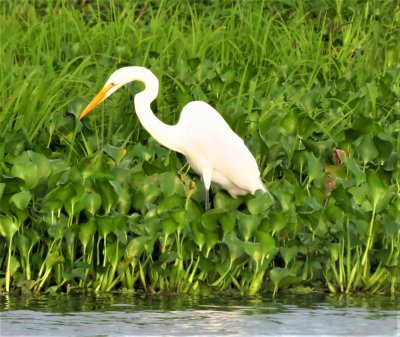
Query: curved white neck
<point x="165" y="134"/>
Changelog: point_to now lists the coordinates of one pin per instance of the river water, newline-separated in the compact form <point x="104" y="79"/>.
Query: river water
<point x="183" y="315"/>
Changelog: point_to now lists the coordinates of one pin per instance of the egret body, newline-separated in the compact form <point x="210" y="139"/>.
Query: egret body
<point x="211" y="147"/>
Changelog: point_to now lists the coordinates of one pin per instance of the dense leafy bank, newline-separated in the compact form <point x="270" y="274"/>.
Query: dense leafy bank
<point x="313" y="90"/>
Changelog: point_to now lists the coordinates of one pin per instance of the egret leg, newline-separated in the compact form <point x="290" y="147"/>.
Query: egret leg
<point x="207" y="205"/>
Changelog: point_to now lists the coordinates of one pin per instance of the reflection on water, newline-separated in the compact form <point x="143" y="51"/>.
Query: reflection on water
<point x="181" y="315"/>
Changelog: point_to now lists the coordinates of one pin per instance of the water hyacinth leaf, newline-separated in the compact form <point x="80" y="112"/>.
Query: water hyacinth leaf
<point x="108" y="195"/>
<point x="14" y="265"/>
<point x="356" y="171"/>
<point x="146" y="195"/>
<point x="384" y="147"/>
<point x="226" y="202"/>
<point x="254" y="250"/>
<point x="171" y="185"/>
<point x="169" y="203"/>
<point x="228" y="222"/>
<point x="26" y="242"/>
<point x="235" y="246"/>
<point x="168" y="257"/>
<point x="248" y="224"/>
<point x="288" y="254"/>
<point x="212" y="238"/>
<point x="105" y="224"/>
<point x="259" y="203"/>
<point x="114" y="152"/>
<point x="62" y="193"/>
<point x="289" y="123"/>
<point x="210" y="219"/>
<point x="363" y="125"/>
<point x="42" y="163"/>
<point x="87" y="232"/>
<point x="8" y="226"/>
<point x="180" y="216"/>
<point x="366" y="148"/>
<point x="28" y="172"/>
<point x="124" y="200"/>
<point x="391" y="227"/>
<point x="198" y="235"/>
<point x="76" y="273"/>
<point x="169" y="226"/>
<point x="277" y="275"/>
<point x="376" y="188"/>
<point x="314" y="167"/>
<point x="92" y="202"/>
<point x="52" y="259"/>
<point x="21" y="200"/>
<point x="136" y="246"/>
<point x="266" y="240"/>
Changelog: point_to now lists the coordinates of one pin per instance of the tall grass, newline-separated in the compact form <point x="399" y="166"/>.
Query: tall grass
<point x="313" y="89"/>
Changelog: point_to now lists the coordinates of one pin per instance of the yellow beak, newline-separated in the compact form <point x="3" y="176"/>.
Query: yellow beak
<point x="96" y="100"/>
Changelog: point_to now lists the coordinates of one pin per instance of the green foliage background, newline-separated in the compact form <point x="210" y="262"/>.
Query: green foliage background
<point x="311" y="86"/>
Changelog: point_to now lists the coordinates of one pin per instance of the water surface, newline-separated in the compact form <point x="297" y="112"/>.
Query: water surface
<point x="182" y="315"/>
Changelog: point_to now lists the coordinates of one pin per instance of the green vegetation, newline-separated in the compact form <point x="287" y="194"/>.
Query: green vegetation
<point x="313" y="88"/>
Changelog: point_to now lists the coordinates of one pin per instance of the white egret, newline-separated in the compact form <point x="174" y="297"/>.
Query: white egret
<point x="211" y="147"/>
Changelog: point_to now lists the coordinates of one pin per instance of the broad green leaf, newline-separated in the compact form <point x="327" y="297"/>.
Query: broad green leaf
<point x="223" y="201"/>
<point x="108" y="195"/>
<point x="235" y="246"/>
<point x="180" y="216"/>
<point x="248" y="224"/>
<point x="114" y="152"/>
<point x="52" y="259"/>
<point x="314" y="167"/>
<point x="8" y="226"/>
<point x="124" y="200"/>
<point x="259" y="203"/>
<point x="168" y="257"/>
<point x="76" y="273"/>
<point x="212" y="238"/>
<point x="87" y="232"/>
<point x="169" y="203"/>
<point x="356" y="170"/>
<point x="278" y="274"/>
<point x="42" y="163"/>
<point x="171" y="185"/>
<point x="136" y="246"/>
<point x="21" y="200"/>
<point x="254" y="250"/>
<point x="169" y="226"/>
<point x="28" y="172"/>
<point x="14" y="265"/>
<point x="267" y="241"/>
<point x="228" y="222"/>
<point x="278" y="220"/>
<point x="92" y="202"/>
<point x="376" y="187"/>
<point x="23" y="244"/>
<point x="105" y="224"/>
<point x="210" y="219"/>
<point x="288" y="254"/>
<point x="363" y="125"/>
<point x="366" y="148"/>
<point x="198" y="234"/>
<point x="289" y="123"/>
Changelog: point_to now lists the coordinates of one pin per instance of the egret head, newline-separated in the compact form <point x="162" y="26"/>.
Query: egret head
<point x="115" y="81"/>
<point x="121" y="77"/>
